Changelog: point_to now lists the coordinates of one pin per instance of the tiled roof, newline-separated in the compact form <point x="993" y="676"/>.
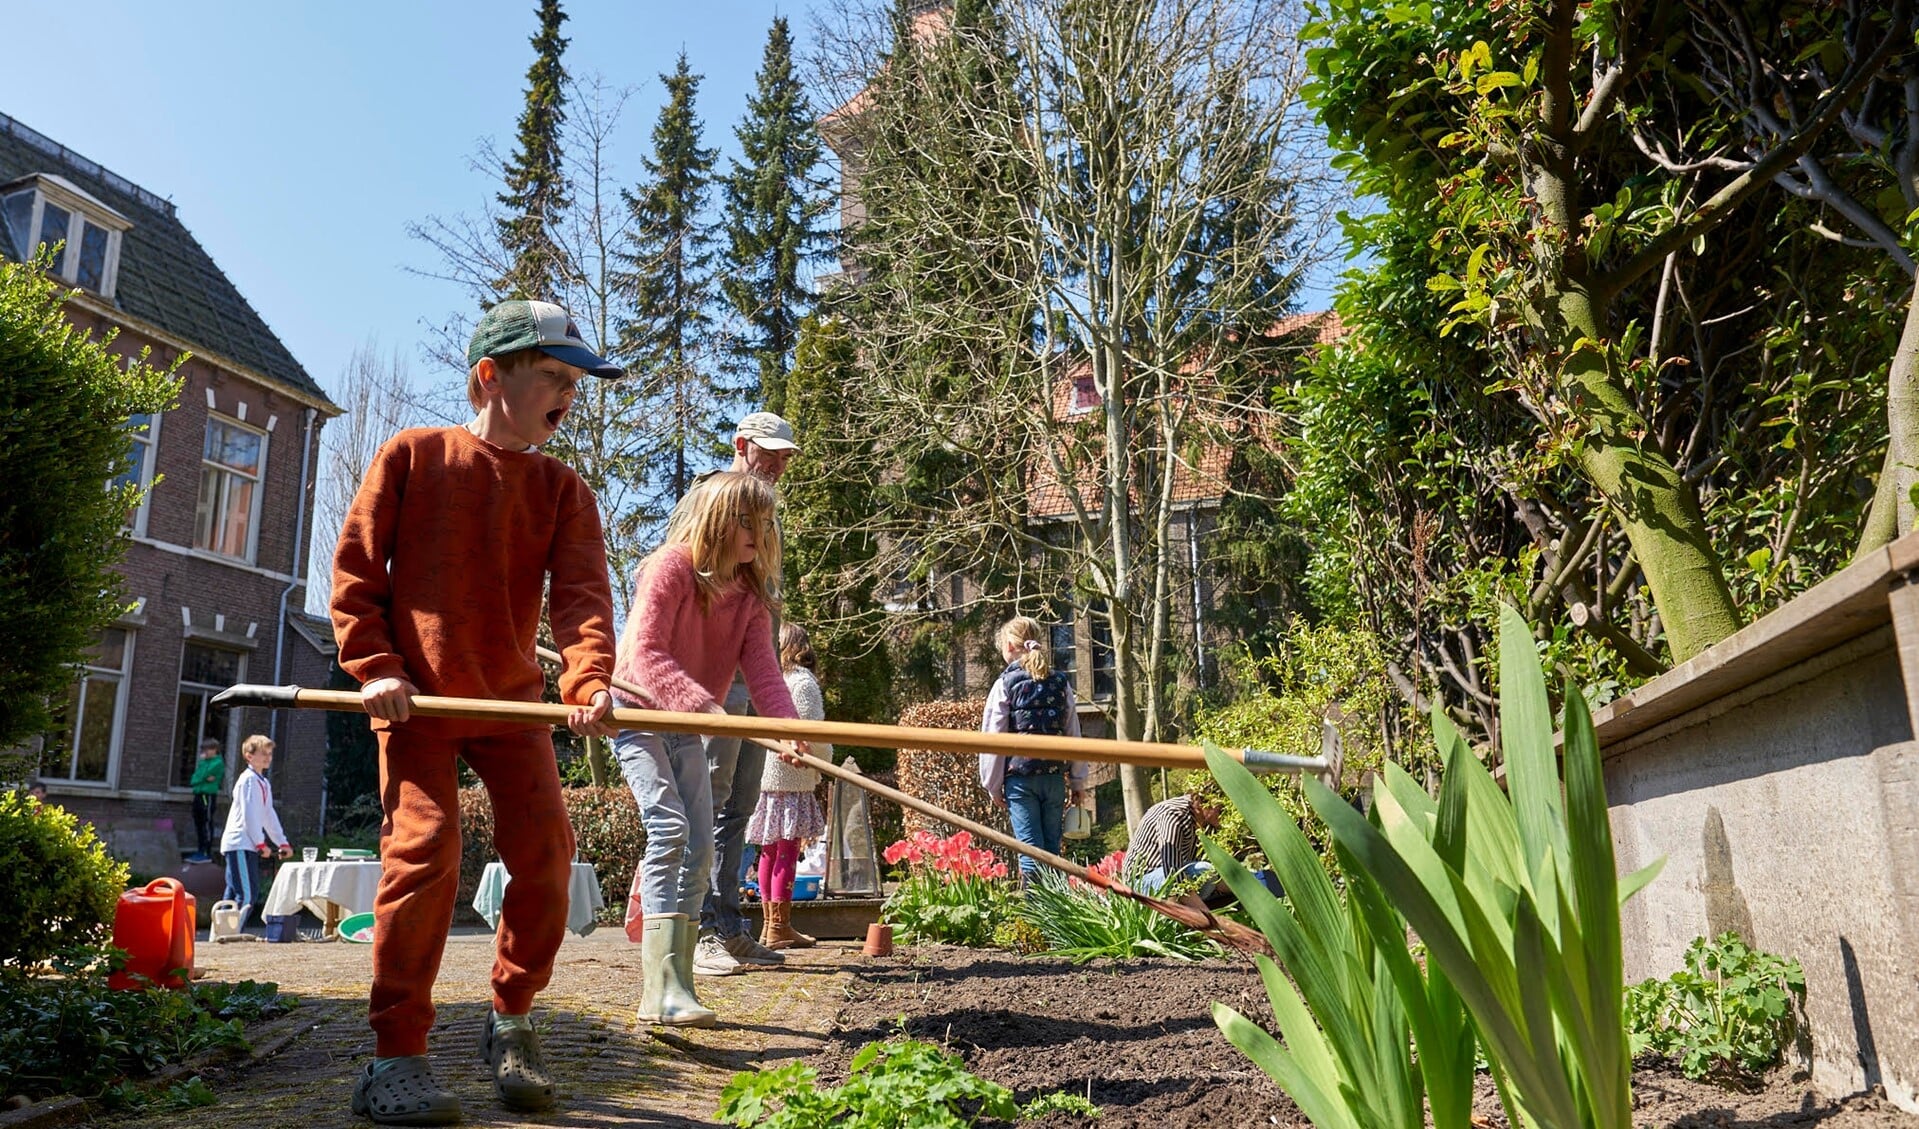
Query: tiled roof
<point x="1199" y="481"/>
<point x="166" y="278"/>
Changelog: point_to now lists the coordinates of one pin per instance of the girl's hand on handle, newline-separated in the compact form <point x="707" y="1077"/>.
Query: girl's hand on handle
<point x="792" y="751"/>
<point x="590" y="720"/>
<point x="388" y="699"/>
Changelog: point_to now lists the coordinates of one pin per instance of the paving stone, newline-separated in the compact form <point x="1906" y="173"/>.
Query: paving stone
<point x="610" y="1070"/>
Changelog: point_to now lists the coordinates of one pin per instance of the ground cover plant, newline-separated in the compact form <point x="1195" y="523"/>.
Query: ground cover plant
<point x="1728" y="1015"/>
<point x="1512" y="892"/>
<point x="68" y="1033"/>
<point x="895" y="1084"/>
<point x="954" y="893"/>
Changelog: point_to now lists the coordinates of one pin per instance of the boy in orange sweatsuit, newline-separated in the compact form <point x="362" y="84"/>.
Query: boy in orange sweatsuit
<point x="437" y="585"/>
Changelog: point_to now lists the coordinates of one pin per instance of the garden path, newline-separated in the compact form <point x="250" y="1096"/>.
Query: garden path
<point x="610" y="1072"/>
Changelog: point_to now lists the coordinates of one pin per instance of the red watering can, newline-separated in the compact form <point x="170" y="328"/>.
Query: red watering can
<point x="155" y="926"/>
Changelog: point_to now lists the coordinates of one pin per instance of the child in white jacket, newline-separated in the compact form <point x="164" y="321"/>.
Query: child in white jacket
<point x="253" y="830"/>
<point x="789" y="810"/>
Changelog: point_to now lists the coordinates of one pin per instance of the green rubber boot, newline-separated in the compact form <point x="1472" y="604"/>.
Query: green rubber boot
<point x="666" y="973"/>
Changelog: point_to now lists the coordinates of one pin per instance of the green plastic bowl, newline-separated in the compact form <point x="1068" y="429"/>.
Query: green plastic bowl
<point x="357" y="929"/>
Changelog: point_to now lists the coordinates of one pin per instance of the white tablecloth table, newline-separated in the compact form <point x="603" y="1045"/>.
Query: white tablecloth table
<point x="331" y="890"/>
<point x="583" y="896"/>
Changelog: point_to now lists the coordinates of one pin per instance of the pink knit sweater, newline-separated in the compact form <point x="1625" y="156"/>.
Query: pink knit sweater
<point x="685" y="658"/>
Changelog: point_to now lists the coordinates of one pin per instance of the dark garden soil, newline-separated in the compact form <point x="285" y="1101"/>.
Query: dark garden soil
<point x="1140" y="1034"/>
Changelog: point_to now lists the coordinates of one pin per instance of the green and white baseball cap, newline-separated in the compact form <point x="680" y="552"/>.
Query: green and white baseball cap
<point x="519" y="324"/>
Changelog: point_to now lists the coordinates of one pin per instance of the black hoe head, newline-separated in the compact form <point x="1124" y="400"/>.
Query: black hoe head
<point x="270" y="697"/>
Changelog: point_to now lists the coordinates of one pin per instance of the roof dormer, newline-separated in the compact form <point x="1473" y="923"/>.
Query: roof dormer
<point x="42" y="209"/>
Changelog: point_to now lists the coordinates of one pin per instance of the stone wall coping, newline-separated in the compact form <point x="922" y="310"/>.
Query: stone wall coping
<point x="1850" y="603"/>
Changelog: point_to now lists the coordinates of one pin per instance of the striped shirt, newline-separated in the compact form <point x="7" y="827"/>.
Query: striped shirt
<point x="1167" y="838"/>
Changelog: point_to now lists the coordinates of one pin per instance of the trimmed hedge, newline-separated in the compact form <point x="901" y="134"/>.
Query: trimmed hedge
<point x="59" y="884"/>
<point x="949" y="780"/>
<point x="606" y="824"/>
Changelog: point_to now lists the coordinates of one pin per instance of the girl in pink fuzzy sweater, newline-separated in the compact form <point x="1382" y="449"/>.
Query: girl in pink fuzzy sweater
<point x="702" y="608"/>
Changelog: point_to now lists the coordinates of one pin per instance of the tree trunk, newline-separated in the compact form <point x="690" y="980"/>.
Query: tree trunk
<point x="1891" y="515"/>
<point x="1658" y="508"/>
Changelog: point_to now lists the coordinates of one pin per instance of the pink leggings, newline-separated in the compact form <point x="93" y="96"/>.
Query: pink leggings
<point x="778" y="860"/>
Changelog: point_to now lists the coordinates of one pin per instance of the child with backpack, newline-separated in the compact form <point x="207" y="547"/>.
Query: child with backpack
<point x="1031" y="697"/>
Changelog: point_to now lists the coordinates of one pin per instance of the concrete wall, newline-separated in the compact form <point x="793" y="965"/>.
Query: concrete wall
<point x="1778" y="776"/>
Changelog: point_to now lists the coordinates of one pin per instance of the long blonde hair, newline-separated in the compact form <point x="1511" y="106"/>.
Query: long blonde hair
<point x="704" y="525"/>
<point x="1025" y="631"/>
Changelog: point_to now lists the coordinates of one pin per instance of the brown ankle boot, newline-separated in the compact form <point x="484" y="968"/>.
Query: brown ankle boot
<point x="779" y="932"/>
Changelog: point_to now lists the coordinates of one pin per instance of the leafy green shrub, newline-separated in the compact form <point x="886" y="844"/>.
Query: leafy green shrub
<point x="1321" y="674"/>
<point x="904" y="1084"/>
<point x="1081" y="922"/>
<point x="70" y="1034"/>
<point x="59" y="884"/>
<point x="65" y="402"/>
<point x="1729" y="1014"/>
<point x="606" y="826"/>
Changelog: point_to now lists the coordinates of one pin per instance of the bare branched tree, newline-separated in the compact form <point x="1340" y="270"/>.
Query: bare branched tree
<point x="376" y="391"/>
<point x="1082" y="224"/>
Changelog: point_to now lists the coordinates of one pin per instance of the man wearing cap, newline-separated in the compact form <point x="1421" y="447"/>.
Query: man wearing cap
<point x="762" y="446"/>
<point x="451" y="545"/>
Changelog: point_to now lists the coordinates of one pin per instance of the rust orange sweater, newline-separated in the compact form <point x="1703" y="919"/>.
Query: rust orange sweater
<point x="442" y="563"/>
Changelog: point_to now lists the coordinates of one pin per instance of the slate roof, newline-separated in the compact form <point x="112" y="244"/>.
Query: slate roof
<point x="166" y="278"/>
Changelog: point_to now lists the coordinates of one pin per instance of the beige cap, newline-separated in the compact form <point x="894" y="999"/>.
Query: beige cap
<point x="764" y="429"/>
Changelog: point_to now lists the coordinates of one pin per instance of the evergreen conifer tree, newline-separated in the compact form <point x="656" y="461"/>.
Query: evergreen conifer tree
<point x="823" y="497"/>
<point x="670" y="338"/>
<point x="772" y="212"/>
<point x="536" y="189"/>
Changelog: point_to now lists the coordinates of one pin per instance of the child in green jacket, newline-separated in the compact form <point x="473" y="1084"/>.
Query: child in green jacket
<point x="208" y="774"/>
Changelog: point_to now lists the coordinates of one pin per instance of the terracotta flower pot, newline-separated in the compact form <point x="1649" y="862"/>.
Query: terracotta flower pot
<point x="879" y="940"/>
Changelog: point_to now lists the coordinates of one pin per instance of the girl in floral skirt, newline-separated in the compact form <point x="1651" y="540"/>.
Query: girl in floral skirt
<point x="789" y="809"/>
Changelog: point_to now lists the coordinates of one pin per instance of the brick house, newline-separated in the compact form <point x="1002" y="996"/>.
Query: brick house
<point x="216" y="564"/>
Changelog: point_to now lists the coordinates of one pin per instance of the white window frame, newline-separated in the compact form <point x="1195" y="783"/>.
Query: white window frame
<point x="91" y="675"/>
<point x="81" y="210"/>
<point x="206" y="691"/>
<point x="259" y="492"/>
<point x="146" y="447"/>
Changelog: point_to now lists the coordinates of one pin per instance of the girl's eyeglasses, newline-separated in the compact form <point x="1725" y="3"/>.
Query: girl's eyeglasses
<point x="748" y="522"/>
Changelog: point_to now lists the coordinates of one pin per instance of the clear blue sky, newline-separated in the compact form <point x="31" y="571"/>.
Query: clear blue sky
<point x="299" y="140"/>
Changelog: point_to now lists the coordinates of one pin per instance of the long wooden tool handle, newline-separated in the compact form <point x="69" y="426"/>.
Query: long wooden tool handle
<point x="904" y="799"/>
<point x="729" y="725"/>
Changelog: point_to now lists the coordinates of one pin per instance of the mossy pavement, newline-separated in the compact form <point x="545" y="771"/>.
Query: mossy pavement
<point x="610" y="1070"/>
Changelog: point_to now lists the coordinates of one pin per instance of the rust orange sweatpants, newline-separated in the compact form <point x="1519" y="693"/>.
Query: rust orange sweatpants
<point x="420" y="873"/>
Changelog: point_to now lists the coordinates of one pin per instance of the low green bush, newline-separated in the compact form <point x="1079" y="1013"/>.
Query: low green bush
<point x="59" y="884"/>
<point x="70" y="1034"/>
<point x="1727" y="1016"/>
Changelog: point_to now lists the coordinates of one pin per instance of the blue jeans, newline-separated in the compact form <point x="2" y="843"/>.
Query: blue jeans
<point x="1037" y="807"/>
<point x="667" y="772"/>
<point x="243" y="884"/>
<point x="735" y="767"/>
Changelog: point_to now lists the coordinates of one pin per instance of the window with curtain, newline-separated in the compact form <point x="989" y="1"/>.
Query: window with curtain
<point x="230" y="480"/>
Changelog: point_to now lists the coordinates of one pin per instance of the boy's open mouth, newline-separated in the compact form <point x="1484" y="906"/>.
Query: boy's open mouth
<point x="554" y="417"/>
